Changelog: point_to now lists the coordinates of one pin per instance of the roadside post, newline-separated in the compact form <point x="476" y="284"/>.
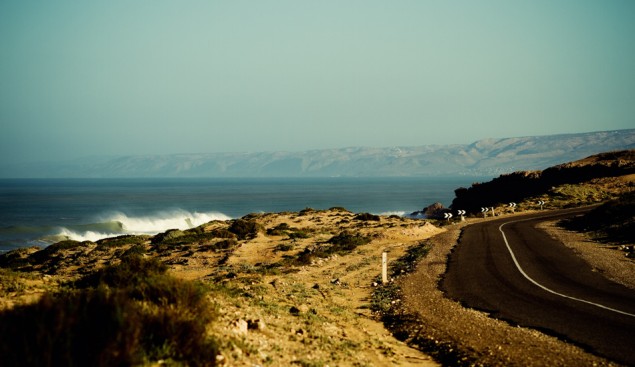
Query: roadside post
<point x="461" y="213"/>
<point x="541" y="203"/>
<point x="484" y="211"/>
<point x="384" y="267"/>
<point x="447" y="216"/>
<point x="512" y="205"/>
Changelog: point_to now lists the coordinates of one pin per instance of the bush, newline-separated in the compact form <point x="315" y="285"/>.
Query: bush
<point x="129" y="314"/>
<point x="244" y="229"/>
<point x="10" y="281"/>
<point x="367" y="217"/>
<point x="222" y="233"/>
<point x="220" y="245"/>
<point x="279" y="230"/>
<point x="120" y="241"/>
<point x="342" y="244"/>
<point x="345" y="242"/>
<point x="134" y="250"/>
<point x="612" y="221"/>
<point x="17" y="258"/>
<point x="51" y="250"/>
<point x="283" y="247"/>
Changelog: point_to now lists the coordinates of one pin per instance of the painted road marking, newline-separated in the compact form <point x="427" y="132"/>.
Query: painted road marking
<point x="520" y="269"/>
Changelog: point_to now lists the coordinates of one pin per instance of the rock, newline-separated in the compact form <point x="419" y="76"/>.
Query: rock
<point x="240" y="326"/>
<point x="294" y="311"/>
<point x="297" y="311"/>
<point x="304" y="308"/>
<point x="256" y="324"/>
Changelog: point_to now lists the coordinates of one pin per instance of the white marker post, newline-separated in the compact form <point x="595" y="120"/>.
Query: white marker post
<point x="541" y="203"/>
<point x="461" y="213"/>
<point x="484" y="211"/>
<point x="384" y="267"/>
<point x="512" y="205"/>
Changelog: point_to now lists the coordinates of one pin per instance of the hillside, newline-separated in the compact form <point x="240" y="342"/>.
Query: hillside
<point x="299" y="288"/>
<point x="586" y="181"/>
<point x="488" y="157"/>
<point x="607" y="178"/>
<point x="286" y="289"/>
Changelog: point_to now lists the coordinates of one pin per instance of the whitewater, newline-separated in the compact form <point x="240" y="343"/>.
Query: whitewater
<point x="121" y="224"/>
<point x="41" y="212"/>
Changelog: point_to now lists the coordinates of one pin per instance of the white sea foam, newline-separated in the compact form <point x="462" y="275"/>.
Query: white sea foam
<point x="397" y="213"/>
<point x="177" y="219"/>
<point x="65" y="233"/>
<point x="152" y="224"/>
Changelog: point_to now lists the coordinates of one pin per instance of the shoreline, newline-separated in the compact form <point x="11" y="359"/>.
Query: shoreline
<point x="333" y="295"/>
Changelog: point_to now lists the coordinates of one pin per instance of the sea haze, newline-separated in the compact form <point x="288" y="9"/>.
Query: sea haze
<point x="42" y="211"/>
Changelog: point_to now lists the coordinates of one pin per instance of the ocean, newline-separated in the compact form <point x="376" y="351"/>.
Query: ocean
<point x="43" y="211"/>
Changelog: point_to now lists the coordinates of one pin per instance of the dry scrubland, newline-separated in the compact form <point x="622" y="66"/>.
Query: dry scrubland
<point x="300" y="289"/>
<point x="282" y="289"/>
<point x="288" y="289"/>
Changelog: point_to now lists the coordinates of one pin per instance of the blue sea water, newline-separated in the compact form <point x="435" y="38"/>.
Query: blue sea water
<point x="43" y="211"/>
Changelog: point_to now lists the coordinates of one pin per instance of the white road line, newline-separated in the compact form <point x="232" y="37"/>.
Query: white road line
<point x="520" y="269"/>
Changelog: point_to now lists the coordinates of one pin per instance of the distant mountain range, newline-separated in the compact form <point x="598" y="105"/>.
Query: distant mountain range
<point x="488" y="157"/>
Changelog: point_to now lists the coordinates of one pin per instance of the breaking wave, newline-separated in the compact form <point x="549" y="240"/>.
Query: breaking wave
<point x="117" y="224"/>
<point x="395" y="212"/>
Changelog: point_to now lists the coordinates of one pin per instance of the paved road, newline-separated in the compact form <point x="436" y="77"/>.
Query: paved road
<point x="520" y="274"/>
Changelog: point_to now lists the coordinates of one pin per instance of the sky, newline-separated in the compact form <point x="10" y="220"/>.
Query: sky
<point x="95" y="78"/>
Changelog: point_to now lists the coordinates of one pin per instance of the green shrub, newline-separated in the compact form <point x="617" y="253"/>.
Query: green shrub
<point x="244" y="229"/>
<point x="299" y="234"/>
<point x="342" y="244"/>
<point x="175" y="237"/>
<point x="10" y="281"/>
<point x="345" y="242"/>
<point x="611" y="222"/>
<point x="17" y="258"/>
<point x="120" y="241"/>
<point x="339" y="209"/>
<point x="284" y="247"/>
<point x="167" y="236"/>
<point x="222" y="233"/>
<point x="52" y="250"/>
<point x="134" y="251"/>
<point x="124" y="315"/>
<point x="367" y="217"/>
<point x="306" y="211"/>
<point x="279" y="230"/>
<point x="225" y="244"/>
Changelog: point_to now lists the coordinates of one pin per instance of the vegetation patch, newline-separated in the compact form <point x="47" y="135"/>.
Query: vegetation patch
<point x="385" y="302"/>
<point x="367" y="217"/>
<point x="17" y="258"/>
<point x="129" y="314"/>
<point x="245" y="229"/>
<point x="341" y="244"/>
<point x="611" y="222"/>
<point x="120" y="241"/>
<point x="283" y="229"/>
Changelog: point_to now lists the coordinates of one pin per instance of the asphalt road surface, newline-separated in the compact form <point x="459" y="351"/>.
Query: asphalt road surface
<point x="518" y="273"/>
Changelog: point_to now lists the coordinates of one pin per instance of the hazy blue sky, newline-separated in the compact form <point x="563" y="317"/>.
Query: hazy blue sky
<point x="82" y="78"/>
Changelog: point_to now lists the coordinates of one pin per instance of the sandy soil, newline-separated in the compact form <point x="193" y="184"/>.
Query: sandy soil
<point x="320" y="314"/>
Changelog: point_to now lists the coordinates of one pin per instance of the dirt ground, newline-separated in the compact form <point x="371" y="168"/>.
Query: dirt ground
<point x="321" y="313"/>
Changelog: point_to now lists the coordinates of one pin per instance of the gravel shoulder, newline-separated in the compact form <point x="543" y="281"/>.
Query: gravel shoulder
<point x="456" y="335"/>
